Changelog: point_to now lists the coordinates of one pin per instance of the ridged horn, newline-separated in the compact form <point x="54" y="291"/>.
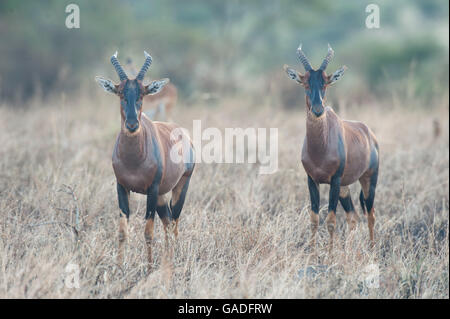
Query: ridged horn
<point x="327" y="59"/>
<point x="148" y="61"/>
<point x="118" y="67"/>
<point x="303" y="59"/>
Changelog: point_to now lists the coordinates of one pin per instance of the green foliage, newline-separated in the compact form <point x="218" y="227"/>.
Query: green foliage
<point x="218" y="45"/>
<point x="393" y="63"/>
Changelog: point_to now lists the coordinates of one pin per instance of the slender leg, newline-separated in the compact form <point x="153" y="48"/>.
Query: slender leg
<point x="346" y="202"/>
<point x="148" y="233"/>
<point x="152" y="199"/>
<point x="314" y="195"/>
<point x="164" y="213"/>
<point x="177" y="201"/>
<point x="371" y="225"/>
<point x="123" y="196"/>
<point x="335" y="185"/>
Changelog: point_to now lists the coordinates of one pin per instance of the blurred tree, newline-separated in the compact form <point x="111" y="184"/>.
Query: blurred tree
<point x="218" y="46"/>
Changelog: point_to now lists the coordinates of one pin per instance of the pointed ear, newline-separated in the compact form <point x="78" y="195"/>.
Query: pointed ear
<point x="106" y="84"/>
<point x="336" y="75"/>
<point x="156" y="86"/>
<point x="294" y="75"/>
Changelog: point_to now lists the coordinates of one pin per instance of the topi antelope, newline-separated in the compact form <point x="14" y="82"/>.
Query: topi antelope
<point x="141" y="157"/>
<point x="335" y="151"/>
<point x="160" y="105"/>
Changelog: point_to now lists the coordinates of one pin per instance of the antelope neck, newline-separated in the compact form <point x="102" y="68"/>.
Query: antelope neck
<point x="132" y="148"/>
<point x="316" y="132"/>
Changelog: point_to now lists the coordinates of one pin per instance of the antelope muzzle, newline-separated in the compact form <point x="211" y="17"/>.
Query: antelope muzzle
<point x="132" y="125"/>
<point x="316" y="101"/>
<point x="317" y="109"/>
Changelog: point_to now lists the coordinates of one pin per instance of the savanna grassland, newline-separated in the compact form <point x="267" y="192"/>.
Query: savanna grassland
<point x="242" y="235"/>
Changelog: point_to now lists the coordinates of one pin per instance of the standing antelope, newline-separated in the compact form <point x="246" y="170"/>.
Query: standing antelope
<point x="161" y="104"/>
<point x="335" y="151"/>
<point x="141" y="160"/>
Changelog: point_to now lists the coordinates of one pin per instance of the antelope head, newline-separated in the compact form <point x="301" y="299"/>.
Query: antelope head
<point x="131" y="92"/>
<point x="315" y="82"/>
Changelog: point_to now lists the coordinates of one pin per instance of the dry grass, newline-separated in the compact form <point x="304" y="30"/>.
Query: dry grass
<point x="241" y="234"/>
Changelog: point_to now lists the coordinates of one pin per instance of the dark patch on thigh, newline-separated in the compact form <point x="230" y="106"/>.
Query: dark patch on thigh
<point x="374" y="165"/>
<point x="190" y="164"/>
<point x="347" y="203"/>
<point x="374" y="160"/>
<point x="176" y="209"/>
<point x="163" y="211"/>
